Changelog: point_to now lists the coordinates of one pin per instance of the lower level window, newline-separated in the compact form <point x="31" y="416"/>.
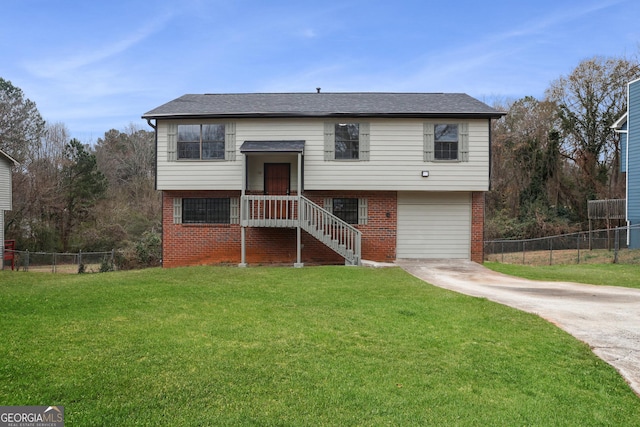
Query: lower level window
<point x="206" y="211"/>
<point x="346" y="210"/>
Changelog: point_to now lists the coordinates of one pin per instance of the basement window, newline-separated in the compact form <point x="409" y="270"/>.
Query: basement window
<point x="206" y="211"/>
<point x="350" y="210"/>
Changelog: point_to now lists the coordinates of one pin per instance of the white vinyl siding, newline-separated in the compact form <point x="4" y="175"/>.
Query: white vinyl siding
<point x="396" y="161"/>
<point x="396" y="158"/>
<point x="5" y="185"/>
<point x="5" y="198"/>
<point x="195" y="175"/>
<point x="434" y="225"/>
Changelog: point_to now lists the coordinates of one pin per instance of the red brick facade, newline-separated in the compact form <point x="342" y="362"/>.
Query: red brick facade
<point x="195" y="244"/>
<point x="477" y="227"/>
<point x="379" y="234"/>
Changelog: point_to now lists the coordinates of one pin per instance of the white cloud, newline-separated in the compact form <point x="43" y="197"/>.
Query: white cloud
<point x="56" y="67"/>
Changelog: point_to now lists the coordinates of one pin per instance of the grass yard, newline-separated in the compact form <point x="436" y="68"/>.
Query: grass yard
<point x="626" y="275"/>
<point x="331" y="346"/>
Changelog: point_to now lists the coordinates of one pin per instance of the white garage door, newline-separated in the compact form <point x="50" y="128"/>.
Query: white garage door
<point x="434" y="225"/>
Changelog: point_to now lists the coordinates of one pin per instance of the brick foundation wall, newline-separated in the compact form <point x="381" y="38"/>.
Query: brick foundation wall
<point x="196" y="244"/>
<point x="477" y="227"/>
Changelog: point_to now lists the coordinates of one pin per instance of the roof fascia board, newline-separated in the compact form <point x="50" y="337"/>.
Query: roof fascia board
<point x="327" y="115"/>
<point x="8" y="157"/>
<point x="618" y="123"/>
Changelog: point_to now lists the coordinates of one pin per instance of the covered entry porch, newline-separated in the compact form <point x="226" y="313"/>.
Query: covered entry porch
<point x="272" y="187"/>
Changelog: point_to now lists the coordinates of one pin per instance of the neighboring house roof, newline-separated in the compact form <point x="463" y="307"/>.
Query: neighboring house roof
<point x="366" y="104"/>
<point x="620" y="122"/>
<point x="10" y="159"/>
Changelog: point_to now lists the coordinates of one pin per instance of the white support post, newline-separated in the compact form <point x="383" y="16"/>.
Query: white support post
<point x="243" y="213"/>
<point x="299" y="263"/>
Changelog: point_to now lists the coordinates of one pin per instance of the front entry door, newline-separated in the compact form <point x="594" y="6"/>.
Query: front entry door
<point x="277" y="179"/>
<point x="277" y="182"/>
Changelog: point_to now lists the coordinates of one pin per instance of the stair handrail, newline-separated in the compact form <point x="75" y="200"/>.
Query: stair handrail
<point x="331" y="230"/>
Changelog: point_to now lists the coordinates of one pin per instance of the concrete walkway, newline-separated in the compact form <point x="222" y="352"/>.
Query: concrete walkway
<point x="607" y="318"/>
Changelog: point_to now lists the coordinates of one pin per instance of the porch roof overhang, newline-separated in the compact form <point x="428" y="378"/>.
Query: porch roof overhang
<point x="272" y="147"/>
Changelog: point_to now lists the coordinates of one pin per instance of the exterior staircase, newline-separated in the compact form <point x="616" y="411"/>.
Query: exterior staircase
<point x="298" y="211"/>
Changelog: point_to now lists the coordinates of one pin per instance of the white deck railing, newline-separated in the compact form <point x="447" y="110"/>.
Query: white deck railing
<point x="270" y="211"/>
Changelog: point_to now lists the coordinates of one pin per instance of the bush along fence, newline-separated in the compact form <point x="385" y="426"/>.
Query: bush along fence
<point x="56" y="262"/>
<point x="596" y="246"/>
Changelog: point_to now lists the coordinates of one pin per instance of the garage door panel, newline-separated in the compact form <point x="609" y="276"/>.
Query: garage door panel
<point x="433" y="225"/>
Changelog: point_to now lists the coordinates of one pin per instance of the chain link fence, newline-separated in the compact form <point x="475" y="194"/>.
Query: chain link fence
<point x="55" y="262"/>
<point x="595" y="247"/>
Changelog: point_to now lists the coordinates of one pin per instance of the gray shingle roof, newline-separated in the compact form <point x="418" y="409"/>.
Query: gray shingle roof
<point x="366" y="104"/>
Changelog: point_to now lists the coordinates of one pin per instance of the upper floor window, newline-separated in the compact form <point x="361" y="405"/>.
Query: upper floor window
<point x="446" y="142"/>
<point x="346" y="141"/>
<point x="203" y="142"/>
<point x="445" y="139"/>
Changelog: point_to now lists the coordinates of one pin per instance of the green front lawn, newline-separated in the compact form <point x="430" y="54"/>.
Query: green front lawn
<point x="627" y="275"/>
<point x="281" y="346"/>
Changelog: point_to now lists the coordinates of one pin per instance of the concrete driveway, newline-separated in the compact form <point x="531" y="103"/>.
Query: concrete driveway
<point x="607" y="318"/>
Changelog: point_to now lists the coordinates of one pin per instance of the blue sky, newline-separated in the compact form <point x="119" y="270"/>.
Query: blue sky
<point x="99" y="65"/>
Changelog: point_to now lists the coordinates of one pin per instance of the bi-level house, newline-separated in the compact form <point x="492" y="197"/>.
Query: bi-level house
<point x="322" y="177"/>
<point x="628" y="126"/>
<point x="6" y="163"/>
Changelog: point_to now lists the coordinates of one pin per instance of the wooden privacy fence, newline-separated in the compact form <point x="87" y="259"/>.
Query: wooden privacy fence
<point x="607" y="210"/>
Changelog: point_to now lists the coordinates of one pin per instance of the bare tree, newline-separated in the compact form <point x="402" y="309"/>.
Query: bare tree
<point x="529" y="189"/>
<point x="589" y="101"/>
